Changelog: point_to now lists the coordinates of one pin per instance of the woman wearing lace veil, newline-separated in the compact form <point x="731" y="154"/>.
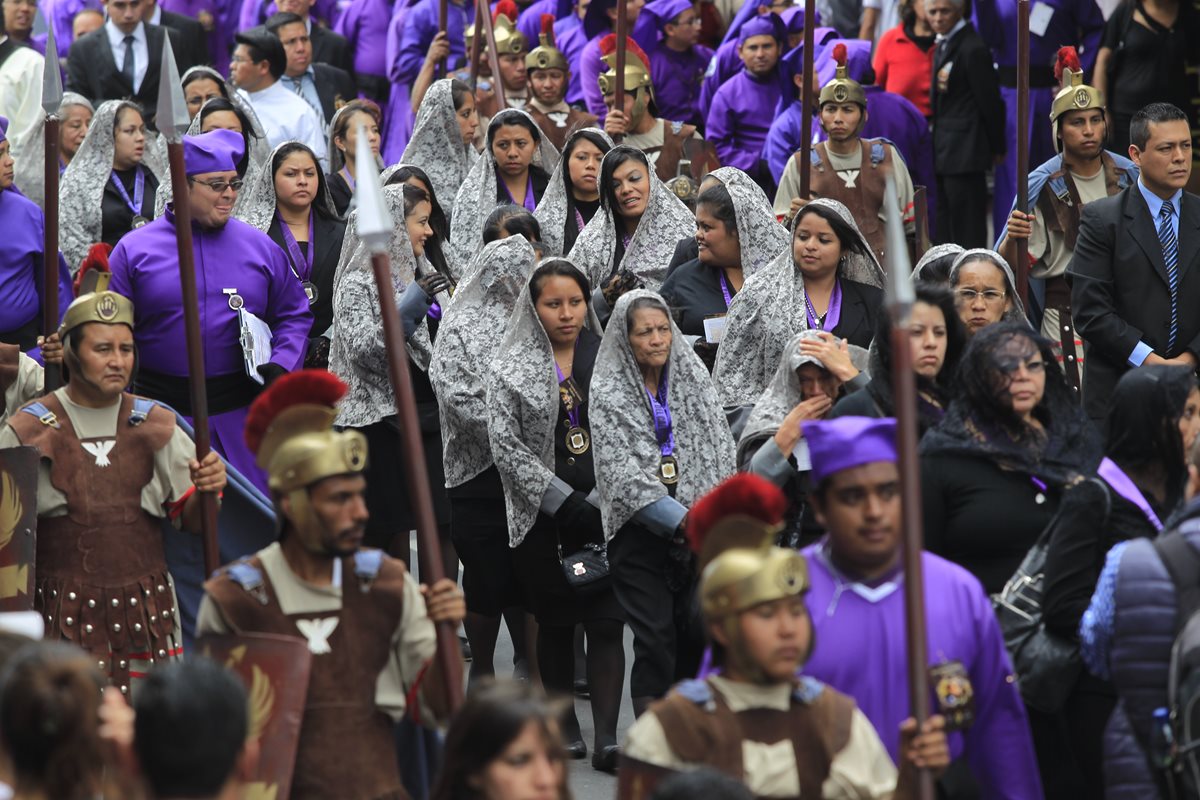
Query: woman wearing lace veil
<point x="343" y="149"/>
<point x="934" y="266"/>
<point x="75" y="112"/>
<point x="290" y="202"/>
<point x="442" y="136"/>
<point x="468" y="338"/>
<point x="985" y="290"/>
<point x="661" y="442"/>
<point x="358" y="356"/>
<point x="538" y="405"/>
<point x="737" y="234"/>
<point x="437" y="247"/>
<point x="108" y="188"/>
<point x="639" y="224"/>
<point x="827" y="279"/>
<point x="572" y="197"/>
<point x="512" y="169"/>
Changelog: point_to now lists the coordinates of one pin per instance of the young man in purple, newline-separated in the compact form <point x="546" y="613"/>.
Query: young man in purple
<point x="856" y="602"/>
<point x="236" y="266"/>
<point x="599" y="20"/>
<point x="668" y="30"/>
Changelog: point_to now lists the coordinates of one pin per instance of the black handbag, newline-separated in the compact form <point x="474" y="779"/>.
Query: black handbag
<point x="1046" y="665"/>
<point x="586" y="570"/>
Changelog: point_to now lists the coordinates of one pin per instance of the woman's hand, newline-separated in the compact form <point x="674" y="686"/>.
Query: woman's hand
<point x="833" y="353"/>
<point x="789" y="435"/>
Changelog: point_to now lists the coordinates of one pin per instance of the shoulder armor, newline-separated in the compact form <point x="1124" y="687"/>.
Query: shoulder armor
<point x="367" y="563"/>
<point x="142" y="406"/>
<point x="807" y="690"/>
<point x="249" y="577"/>
<point x="696" y="690"/>
<point x="43" y="414"/>
<point x="878" y="152"/>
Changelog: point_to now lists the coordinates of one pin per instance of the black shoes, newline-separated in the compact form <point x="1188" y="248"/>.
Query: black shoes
<point x="605" y="759"/>
<point x="576" y="750"/>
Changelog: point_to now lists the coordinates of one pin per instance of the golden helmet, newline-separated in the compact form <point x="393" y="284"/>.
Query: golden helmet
<point x="546" y="55"/>
<point x="1075" y="95"/>
<point x="842" y="88"/>
<point x="509" y="40"/>
<point x="637" y="69"/>
<point x="98" y="306"/>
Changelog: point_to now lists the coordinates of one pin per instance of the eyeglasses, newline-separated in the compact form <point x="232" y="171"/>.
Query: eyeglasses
<point x="220" y="186"/>
<point x="990" y="296"/>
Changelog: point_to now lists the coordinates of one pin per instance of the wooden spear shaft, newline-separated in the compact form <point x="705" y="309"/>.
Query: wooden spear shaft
<point x="443" y="12"/>
<point x="1022" y="265"/>
<point x="619" y="65"/>
<point x="484" y="19"/>
<point x="53" y="372"/>
<point x="806" y="101"/>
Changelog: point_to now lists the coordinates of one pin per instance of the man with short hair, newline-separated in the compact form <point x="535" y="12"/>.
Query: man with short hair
<point x="18" y="23"/>
<point x="322" y="86"/>
<point x="328" y="47"/>
<point x="677" y="60"/>
<point x="86" y="21"/>
<point x="513" y="79"/>
<point x="1133" y="291"/>
<point x="549" y="75"/>
<point x="256" y="67"/>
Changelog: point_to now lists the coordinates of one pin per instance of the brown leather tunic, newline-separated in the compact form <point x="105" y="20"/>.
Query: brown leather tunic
<point x="102" y="579"/>
<point x="347" y="749"/>
<point x="679" y="143"/>
<point x="558" y="134"/>
<point x="865" y="200"/>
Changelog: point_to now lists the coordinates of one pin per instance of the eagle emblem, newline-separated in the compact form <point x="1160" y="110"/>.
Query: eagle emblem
<point x="100" y="451"/>
<point x="318" y="631"/>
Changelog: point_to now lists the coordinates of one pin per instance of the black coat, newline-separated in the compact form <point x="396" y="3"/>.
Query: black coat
<point x="93" y="72"/>
<point x="1119" y="290"/>
<point x="192" y="36"/>
<point x="968" y="117"/>
<point x="333" y="49"/>
<point x="335" y="87"/>
<point x="860" y="308"/>
<point x="329" y="234"/>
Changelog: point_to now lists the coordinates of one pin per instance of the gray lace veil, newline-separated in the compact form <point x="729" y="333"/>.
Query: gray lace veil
<point x="30" y="171"/>
<point x="1016" y="313"/>
<point x="436" y="144"/>
<point x="258" y="201"/>
<point x="760" y="234"/>
<point x="552" y="211"/>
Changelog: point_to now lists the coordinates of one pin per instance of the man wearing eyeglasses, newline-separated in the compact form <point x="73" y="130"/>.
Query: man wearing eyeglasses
<point x="237" y="266"/>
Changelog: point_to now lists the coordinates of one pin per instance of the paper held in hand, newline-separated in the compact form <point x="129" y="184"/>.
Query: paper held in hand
<point x="256" y="343"/>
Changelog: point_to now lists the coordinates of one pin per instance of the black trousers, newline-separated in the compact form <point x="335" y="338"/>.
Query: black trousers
<point x="668" y="637"/>
<point x="962" y="210"/>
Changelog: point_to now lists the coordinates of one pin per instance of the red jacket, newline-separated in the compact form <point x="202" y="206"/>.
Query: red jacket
<point x="904" y="68"/>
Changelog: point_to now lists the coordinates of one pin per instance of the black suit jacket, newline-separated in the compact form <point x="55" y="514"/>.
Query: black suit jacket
<point x="860" y="308"/>
<point x="331" y="48"/>
<point x="329" y="234"/>
<point x="93" y="72"/>
<point x="192" y="36"/>
<point x="335" y="87"/>
<point x="968" y="116"/>
<point x="1119" y="290"/>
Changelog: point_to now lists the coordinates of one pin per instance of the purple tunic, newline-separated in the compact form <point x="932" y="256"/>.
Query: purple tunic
<point x="740" y="116"/>
<point x="256" y="12"/>
<point x="529" y="23"/>
<point x="590" y="67"/>
<point x="1075" y="22"/>
<point x="145" y="269"/>
<point x="61" y="14"/>
<point x="677" y="80"/>
<point x="224" y="26"/>
<point x="365" y="25"/>
<point x="21" y="263"/>
<point x="861" y="651"/>
<point x="571" y="40"/>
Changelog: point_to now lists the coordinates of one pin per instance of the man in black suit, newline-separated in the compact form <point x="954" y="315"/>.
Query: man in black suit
<point x="121" y="59"/>
<point x="1135" y="276"/>
<point x="326" y="88"/>
<point x="327" y="47"/>
<point x="968" y="124"/>
<point x="193" y="37"/>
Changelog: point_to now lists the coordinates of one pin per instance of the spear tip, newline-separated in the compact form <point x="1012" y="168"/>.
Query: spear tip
<point x="52" y="88"/>
<point x="374" y="221"/>
<point x="171" y="115"/>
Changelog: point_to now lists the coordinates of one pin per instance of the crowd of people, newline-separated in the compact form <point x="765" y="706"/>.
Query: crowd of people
<point x="657" y="372"/>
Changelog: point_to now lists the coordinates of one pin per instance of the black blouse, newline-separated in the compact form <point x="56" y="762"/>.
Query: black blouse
<point x="693" y="293"/>
<point x="577" y="471"/>
<point x="116" y="219"/>
<point x="340" y="192"/>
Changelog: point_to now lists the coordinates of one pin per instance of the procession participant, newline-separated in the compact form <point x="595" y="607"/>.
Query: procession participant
<point x="934" y="266"/>
<point x="325" y="87"/>
<point x="512" y="169"/>
<point x="847" y="167"/>
<point x="632" y="236"/>
<point x="201" y="84"/>
<point x="673" y="148"/>
<point x="1082" y="171"/>
<point x="572" y="197"/>
<point x="755" y="719"/>
<point x="437" y="245"/>
<point x="677" y="60"/>
<point x="343" y="134"/>
<point x="237" y="267"/>
<point x="364" y="25"/>
<point x="739" y="116"/>
<point x="511" y="48"/>
<point x="549" y="75"/>
<point x="985" y="290"/>
<point x="359" y="357"/>
<point x="828" y="280"/>
<point x="815" y="371"/>
<point x="368" y="624"/>
<point x="22" y="265"/>
<point x="442" y="136"/>
<point x="736" y="235"/>
<point x="600" y="21"/>
<point x="993" y="470"/>
<point x="661" y="443"/>
<point x="539" y="402"/>
<point x="469" y="337"/>
<point x="108" y="189"/>
<point x="116" y="600"/>
<point x="857" y="596"/>
<point x="75" y="115"/>
<point x="290" y="202"/>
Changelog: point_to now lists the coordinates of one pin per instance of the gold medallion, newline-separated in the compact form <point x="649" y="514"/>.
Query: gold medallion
<point x="578" y="441"/>
<point x="668" y="470"/>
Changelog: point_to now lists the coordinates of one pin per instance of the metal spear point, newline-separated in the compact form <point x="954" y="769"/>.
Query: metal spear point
<point x="375" y="228"/>
<point x="52" y="93"/>
<point x="171" y="117"/>
<point x="52" y="89"/>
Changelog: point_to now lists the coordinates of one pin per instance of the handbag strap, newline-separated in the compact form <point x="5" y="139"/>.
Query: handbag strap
<point x="1183" y="565"/>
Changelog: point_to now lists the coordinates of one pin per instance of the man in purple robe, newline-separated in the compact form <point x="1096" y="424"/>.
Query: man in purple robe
<point x="237" y="266"/>
<point x="668" y="30"/>
<point x="1052" y="24"/>
<point x="21" y="259"/>
<point x="857" y="608"/>
<point x="570" y="39"/>
<point x="365" y="25"/>
<point x="529" y="23"/>
<point x="599" y="20"/>
<point x="742" y="110"/>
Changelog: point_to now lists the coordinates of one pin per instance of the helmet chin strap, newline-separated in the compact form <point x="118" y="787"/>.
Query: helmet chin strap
<point x="640" y="103"/>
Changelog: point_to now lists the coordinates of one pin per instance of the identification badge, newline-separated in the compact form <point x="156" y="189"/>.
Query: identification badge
<point x="138" y="222"/>
<point x="1039" y="18"/>
<point x="578" y="441"/>
<point x="569" y="394"/>
<point x="668" y="470"/>
<point x="714" y="328"/>
<point x="235" y="299"/>
<point x="955" y="695"/>
<point x="310" y="291"/>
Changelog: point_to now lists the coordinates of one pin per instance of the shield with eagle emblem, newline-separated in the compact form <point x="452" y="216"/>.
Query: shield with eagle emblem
<point x="18" y="527"/>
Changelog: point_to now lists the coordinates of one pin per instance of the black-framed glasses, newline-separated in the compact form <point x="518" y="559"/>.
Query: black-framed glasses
<point x="220" y="186"/>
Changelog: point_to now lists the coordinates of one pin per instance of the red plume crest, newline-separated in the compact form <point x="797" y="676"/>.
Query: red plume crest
<point x="307" y="386"/>
<point x="608" y="46"/>
<point x="839" y="54"/>
<point x="548" y="26"/>
<point x="745" y="494"/>
<point x="1067" y="59"/>
<point x="506" y="8"/>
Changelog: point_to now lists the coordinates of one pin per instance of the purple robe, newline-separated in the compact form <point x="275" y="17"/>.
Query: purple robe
<point x="571" y="40"/>
<point x="1075" y="22"/>
<point x="21" y="263"/>
<point x="590" y="67"/>
<point x="256" y="12"/>
<point x="224" y="26"/>
<point x="529" y="23"/>
<point x="677" y="80"/>
<point x="61" y="14"/>
<point x="740" y="116"/>
<point x="861" y="651"/>
<point x="145" y="269"/>
<point x="365" y="26"/>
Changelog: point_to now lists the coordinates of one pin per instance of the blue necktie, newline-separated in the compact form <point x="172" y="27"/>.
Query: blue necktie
<point x="1170" y="246"/>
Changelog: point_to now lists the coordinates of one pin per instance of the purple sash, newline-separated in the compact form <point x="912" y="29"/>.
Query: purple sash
<point x="299" y="261"/>
<point x="139" y="189"/>
<point x="530" y="203"/>
<point x="348" y="178"/>
<point x="725" y="290"/>
<point x="832" y="316"/>
<point x="1123" y="485"/>
<point x="572" y="413"/>
<point x="663" y="429"/>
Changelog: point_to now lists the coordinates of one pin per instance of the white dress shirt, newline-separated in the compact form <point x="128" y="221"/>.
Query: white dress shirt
<point x="21" y="95"/>
<point x="285" y="117"/>
<point x="141" y="50"/>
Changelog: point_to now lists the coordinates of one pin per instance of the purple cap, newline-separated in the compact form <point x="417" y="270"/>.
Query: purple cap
<point x="665" y="11"/>
<point x="216" y="151"/>
<point x="848" y="442"/>
<point x="3" y="129"/>
<point x="763" y="25"/>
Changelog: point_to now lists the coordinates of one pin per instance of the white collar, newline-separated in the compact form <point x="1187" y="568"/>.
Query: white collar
<point x="117" y="37"/>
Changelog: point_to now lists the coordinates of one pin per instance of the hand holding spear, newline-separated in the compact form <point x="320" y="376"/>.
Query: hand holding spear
<point x="172" y="120"/>
<point x="52" y="94"/>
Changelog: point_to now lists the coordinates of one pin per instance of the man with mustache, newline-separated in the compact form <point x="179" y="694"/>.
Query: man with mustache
<point x="113" y="465"/>
<point x="368" y="624"/>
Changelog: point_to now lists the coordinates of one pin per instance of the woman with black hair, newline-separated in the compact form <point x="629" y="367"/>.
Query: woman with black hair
<point x="510" y="220"/>
<point x="442" y="136"/>
<point x="934" y="265"/>
<point x="994" y="469"/>
<point x="937" y="339"/>
<point x="437" y="246"/>
<point x="290" y="202"/>
<point x="573" y="195"/>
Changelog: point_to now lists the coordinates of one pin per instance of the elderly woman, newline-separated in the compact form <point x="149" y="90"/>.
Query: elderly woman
<point x="985" y="290"/>
<point x="828" y="280"/>
<point x="75" y="114"/>
<point x="572" y="197"/>
<point x="661" y="442"/>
